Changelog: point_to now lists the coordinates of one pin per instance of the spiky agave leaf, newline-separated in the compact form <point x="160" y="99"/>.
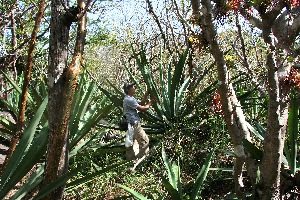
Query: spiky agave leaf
<point x="290" y="146"/>
<point x="133" y="192"/>
<point x="14" y="171"/>
<point x="201" y="176"/>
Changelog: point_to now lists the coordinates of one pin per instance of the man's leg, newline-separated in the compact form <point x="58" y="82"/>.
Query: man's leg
<point x="141" y="137"/>
<point x="131" y="152"/>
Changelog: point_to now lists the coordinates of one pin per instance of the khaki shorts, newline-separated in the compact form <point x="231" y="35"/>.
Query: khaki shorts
<point x="140" y="145"/>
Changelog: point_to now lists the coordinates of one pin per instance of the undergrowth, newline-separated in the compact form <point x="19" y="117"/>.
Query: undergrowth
<point x="146" y="179"/>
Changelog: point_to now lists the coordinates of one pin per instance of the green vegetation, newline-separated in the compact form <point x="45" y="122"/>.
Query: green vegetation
<point x="198" y="138"/>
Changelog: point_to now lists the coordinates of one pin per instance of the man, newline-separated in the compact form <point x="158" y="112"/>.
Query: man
<point x="131" y="106"/>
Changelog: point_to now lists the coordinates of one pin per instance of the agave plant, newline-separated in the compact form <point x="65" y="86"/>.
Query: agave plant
<point x="35" y="98"/>
<point x="28" y="152"/>
<point x="170" y="86"/>
<point x="26" y="165"/>
<point x="290" y="147"/>
<point x="173" y="183"/>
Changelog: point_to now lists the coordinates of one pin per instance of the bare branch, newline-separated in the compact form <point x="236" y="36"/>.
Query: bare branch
<point x="151" y="11"/>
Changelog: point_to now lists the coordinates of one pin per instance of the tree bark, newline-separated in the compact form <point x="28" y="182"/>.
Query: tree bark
<point x="56" y="159"/>
<point x="233" y="114"/>
<point x="23" y="98"/>
<point x="277" y="124"/>
<point x="62" y="84"/>
<point x="273" y="143"/>
<point x="279" y="27"/>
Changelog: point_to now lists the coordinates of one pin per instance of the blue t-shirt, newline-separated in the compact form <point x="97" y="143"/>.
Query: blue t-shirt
<point x="130" y="104"/>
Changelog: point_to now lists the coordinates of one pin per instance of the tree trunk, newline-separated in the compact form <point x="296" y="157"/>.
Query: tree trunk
<point x="273" y="144"/>
<point x="62" y="84"/>
<point x="233" y="114"/>
<point x="57" y="151"/>
<point x="277" y="124"/>
<point x="278" y="97"/>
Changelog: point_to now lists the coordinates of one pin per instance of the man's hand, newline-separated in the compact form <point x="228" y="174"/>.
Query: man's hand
<point x="147" y="92"/>
<point x="144" y="108"/>
<point x="153" y="100"/>
<point x="144" y="100"/>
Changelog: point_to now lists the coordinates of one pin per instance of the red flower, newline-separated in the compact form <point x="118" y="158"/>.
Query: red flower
<point x="216" y="105"/>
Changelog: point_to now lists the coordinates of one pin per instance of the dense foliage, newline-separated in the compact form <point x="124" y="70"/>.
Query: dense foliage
<point x="167" y="49"/>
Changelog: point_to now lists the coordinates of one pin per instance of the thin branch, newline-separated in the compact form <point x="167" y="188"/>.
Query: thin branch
<point x="151" y="11"/>
<point x="244" y="58"/>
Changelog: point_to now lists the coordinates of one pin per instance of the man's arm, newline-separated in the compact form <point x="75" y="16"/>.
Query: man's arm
<point x="144" y="108"/>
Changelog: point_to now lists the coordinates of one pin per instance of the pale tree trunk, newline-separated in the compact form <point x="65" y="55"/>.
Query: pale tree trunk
<point x="62" y="81"/>
<point x="23" y="98"/>
<point x="280" y="27"/>
<point x="274" y="138"/>
<point x="280" y="36"/>
<point x="276" y="130"/>
<point x="233" y="113"/>
<point x="273" y="141"/>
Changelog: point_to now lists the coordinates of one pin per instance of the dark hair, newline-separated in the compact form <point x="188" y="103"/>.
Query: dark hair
<point x="127" y="86"/>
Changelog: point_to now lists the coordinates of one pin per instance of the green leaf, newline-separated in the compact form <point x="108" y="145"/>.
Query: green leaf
<point x="92" y="176"/>
<point x="171" y="190"/>
<point x="253" y="150"/>
<point x="260" y="129"/>
<point x="6" y="134"/>
<point x="85" y="101"/>
<point x="201" y="176"/>
<point x="117" y="91"/>
<point x="21" y="150"/>
<point x="83" y="144"/>
<point x="179" y="69"/>
<point x="55" y="184"/>
<point x="12" y="108"/>
<point x="77" y="99"/>
<point x="35" y="153"/>
<point x="164" y="92"/>
<point x="7" y="125"/>
<point x="33" y="181"/>
<point x="113" y="98"/>
<point x="179" y="184"/>
<point x="293" y="131"/>
<point x="206" y="70"/>
<point x="64" y="178"/>
<point x="254" y="131"/>
<point x="134" y="193"/>
<point x="180" y="95"/>
<point x="168" y="165"/>
<point x="17" y="88"/>
<point x="89" y="124"/>
<point x="36" y="96"/>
